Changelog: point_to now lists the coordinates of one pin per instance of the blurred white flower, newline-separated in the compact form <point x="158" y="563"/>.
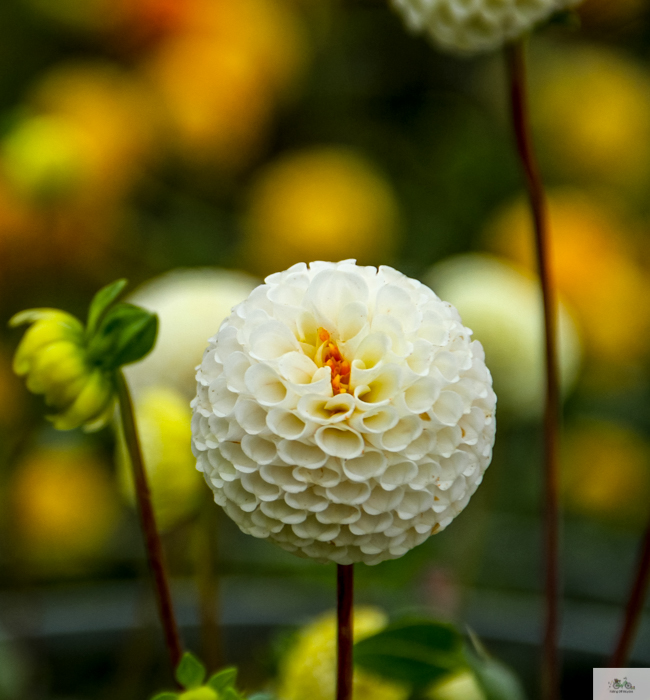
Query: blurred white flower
<point x="190" y="304"/>
<point x="503" y="307"/>
<point x="472" y="26"/>
<point x="343" y="412"/>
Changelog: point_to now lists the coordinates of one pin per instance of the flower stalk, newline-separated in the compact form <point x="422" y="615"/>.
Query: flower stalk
<point x="345" y="597"/>
<point x="152" y="539"/>
<point x="516" y="60"/>
<point x="634" y="606"/>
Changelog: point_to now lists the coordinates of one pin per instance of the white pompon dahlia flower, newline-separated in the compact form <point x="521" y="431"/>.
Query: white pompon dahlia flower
<point x="473" y="26"/>
<point x="343" y="412"/>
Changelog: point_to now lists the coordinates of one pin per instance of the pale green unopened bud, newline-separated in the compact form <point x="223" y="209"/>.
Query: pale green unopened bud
<point x="74" y="367"/>
<point x="53" y="359"/>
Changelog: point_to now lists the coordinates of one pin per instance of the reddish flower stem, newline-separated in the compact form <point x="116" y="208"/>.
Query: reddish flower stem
<point x="345" y="595"/>
<point x="634" y="606"/>
<point x="516" y="55"/>
<point x="148" y="523"/>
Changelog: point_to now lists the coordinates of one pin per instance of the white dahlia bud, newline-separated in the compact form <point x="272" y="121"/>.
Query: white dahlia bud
<point x="472" y="26"/>
<point x="343" y="412"/>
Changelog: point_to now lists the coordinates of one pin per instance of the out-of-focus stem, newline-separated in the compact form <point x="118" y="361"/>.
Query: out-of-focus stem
<point x="521" y="122"/>
<point x="345" y="597"/>
<point x="148" y="523"/>
<point x="634" y="606"/>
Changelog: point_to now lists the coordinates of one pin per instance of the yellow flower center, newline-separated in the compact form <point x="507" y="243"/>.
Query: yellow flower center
<point x="332" y="358"/>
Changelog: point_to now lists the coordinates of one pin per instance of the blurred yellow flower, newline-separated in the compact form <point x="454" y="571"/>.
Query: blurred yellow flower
<point x="163" y="420"/>
<point x="220" y="74"/>
<point x="324" y="203"/>
<point x="594" y="120"/>
<point x="459" y="686"/>
<point x="269" y="30"/>
<point x="63" y="506"/>
<point x="606" y="471"/>
<point x="502" y="305"/>
<point x="191" y="304"/>
<point x="594" y="267"/>
<point x="41" y="157"/>
<point x="309" y="668"/>
<point x="89" y="129"/>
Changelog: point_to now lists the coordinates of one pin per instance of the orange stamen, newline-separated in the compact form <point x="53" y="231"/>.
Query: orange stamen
<point x="332" y="358"/>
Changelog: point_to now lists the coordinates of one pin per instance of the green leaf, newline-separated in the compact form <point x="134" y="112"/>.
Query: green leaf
<point x="223" y="679"/>
<point x="100" y="303"/>
<point x="413" y="651"/>
<point x="230" y="694"/>
<point x="498" y="681"/>
<point x="166" y="696"/>
<point x="190" y="672"/>
<point x="126" y="334"/>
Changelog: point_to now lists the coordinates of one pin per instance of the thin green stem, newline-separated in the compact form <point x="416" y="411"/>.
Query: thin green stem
<point x="516" y="54"/>
<point x="634" y="606"/>
<point x="148" y="522"/>
<point x="345" y="597"/>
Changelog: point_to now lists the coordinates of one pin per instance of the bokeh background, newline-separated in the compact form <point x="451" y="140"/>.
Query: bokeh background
<point x="195" y="146"/>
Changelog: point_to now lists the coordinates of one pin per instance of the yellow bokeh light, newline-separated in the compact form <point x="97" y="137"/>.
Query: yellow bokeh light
<point x="594" y="120"/>
<point x="63" y="506"/>
<point x="594" y="266"/>
<point x="320" y="204"/>
<point x="606" y="471"/>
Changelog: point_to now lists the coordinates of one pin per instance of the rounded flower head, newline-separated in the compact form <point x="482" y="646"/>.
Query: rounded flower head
<point x="472" y="26"/>
<point x="343" y="412"/>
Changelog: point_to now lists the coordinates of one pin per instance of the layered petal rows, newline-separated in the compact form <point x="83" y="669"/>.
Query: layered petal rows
<point x="472" y="26"/>
<point x="343" y="412"/>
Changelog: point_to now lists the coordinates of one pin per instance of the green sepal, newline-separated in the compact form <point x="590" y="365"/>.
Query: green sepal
<point x="223" y="679"/>
<point x="126" y="334"/>
<point x="166" y="696"/>
<point x="190" y="672"/>
<point x="100" y="304"/>
<point x="413" y="651"/>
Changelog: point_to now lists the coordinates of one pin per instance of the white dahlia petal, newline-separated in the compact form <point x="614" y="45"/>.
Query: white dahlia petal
<point x="472" y="26"/>
<point x="343" y="412"/>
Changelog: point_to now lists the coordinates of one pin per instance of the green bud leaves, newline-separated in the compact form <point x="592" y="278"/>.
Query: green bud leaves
<point x="125" y="334"/>
<point x="117" y="333"/>
<point x="72" y="366"/>
<point x="190" y="673"/>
